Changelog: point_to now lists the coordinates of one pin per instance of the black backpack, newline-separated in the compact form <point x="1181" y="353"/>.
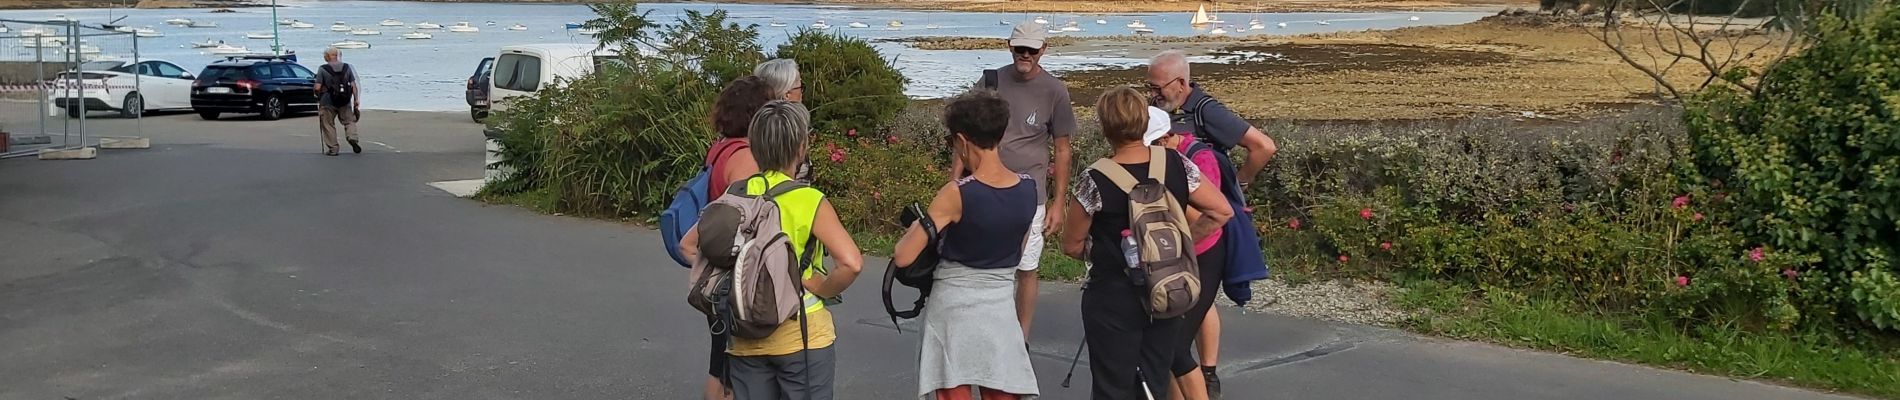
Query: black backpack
<point x="920" y="274"/>
<point x="340" y="93"/>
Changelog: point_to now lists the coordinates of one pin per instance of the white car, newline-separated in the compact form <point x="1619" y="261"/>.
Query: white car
<point x="112" y="86"/>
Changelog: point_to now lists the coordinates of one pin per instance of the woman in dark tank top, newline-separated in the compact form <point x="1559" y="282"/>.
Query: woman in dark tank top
<point x="973" y="345"/>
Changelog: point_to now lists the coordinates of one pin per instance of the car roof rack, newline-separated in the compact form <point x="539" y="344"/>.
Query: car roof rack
<point x="261" y="57"/>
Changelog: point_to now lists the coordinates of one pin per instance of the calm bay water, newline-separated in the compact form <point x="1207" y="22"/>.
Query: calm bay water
<point x="429" y="74"/>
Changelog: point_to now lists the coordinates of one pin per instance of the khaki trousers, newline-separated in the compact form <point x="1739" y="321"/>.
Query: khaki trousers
<point x="327" y="117"/>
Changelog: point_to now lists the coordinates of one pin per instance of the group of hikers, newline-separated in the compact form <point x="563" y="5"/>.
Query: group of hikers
<point x="1160" y="221"/>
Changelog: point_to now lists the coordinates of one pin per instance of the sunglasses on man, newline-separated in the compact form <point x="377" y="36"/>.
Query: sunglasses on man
<point x="1025" y="51"/>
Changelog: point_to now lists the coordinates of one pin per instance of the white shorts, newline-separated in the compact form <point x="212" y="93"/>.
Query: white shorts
<point x="1032" y="245"/>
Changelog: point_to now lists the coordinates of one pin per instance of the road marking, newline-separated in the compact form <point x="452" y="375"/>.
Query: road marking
<point x="391" y="148"/>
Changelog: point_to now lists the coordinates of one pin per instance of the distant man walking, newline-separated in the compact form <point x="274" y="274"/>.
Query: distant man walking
<point x="337" y="101"/>
<point x="1040" y="119"/>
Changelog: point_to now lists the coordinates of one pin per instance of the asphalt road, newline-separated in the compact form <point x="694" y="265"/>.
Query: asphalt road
<point x="233" y="261"/>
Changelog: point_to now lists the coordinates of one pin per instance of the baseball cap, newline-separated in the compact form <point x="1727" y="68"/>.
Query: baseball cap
<point x="1027" y="34"/>
<point x="1158" y="125"/>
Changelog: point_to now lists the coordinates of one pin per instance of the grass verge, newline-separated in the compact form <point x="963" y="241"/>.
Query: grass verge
<point x="1517" y="319"/>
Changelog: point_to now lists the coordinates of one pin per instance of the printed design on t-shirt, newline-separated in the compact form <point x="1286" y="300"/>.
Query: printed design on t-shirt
<point x="1031" y="120"/>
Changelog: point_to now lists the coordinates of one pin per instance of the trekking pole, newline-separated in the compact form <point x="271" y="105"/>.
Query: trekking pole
<point x="1145" y="390"/>
<point x="1072" y="362"/>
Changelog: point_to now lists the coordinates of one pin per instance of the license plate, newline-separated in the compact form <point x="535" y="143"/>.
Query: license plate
<point x="218" y="90"/>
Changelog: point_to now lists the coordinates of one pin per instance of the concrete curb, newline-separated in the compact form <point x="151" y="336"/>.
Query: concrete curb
<point x="128" y="143"/>
<point x="84" y="153"/>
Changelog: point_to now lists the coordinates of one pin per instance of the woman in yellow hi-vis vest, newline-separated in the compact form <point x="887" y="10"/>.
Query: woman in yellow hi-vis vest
<point x="792" y="362"/>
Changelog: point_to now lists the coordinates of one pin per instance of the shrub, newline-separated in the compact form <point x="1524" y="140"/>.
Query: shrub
<point x="869" y="175"/>
<point x="848" y="84"/>
<point x="1813" y="161"/>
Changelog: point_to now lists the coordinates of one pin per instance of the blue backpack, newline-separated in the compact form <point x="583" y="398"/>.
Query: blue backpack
<point x="683" y="213"/>
<point x="1246" y="262"/>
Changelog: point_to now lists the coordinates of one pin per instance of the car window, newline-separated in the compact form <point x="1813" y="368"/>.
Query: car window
<point x="281" y="71"/>
<point x="518" y="72"/>
<point x="147" y="69"/>
<point x="262" y="72"/>
<point x="301" y="73"/>
<point x="223" y="73"/>
<point x="117" y="66"/>
<point x="487" y="66"/>
<point x="168" y="70"/>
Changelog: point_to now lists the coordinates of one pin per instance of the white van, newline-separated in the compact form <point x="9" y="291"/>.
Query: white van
<point x="521" y="70"/>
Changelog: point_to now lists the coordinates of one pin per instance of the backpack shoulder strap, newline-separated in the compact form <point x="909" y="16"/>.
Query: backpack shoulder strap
<point x="990" y="79"/>
<point x="1158" y="163"/>
<point x="1115" y="173"/>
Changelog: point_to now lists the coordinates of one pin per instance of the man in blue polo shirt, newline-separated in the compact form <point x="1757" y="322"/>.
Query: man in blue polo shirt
<point x="1215" y="124"/>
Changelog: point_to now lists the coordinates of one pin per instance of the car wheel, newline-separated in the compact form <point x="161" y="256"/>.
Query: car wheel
<point x="478" y="114"/>
<point x="273" y="108"/>
<point x="208" y="115"/>
<point x="133" y="107"/>
<point x="72" y="112"/>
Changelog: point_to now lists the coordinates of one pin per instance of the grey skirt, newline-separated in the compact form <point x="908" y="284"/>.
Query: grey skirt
<point x="971" y="336"/>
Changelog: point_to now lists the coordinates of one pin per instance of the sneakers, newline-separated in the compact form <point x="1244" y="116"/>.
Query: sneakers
<point x="1213" y="382"/>
<point x="355" y="148"/>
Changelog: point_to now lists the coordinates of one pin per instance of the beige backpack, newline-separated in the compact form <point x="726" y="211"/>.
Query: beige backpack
<point x="1167" y="273"/>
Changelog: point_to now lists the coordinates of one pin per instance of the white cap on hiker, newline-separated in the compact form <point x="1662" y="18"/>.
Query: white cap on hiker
<point x="1027" y="34"/>
<point x="1158" y="125"/>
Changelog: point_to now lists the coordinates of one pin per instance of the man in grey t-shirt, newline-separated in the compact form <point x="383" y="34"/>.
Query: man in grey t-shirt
<point x="336" y="79"/>
<point x="1041" y="120"/>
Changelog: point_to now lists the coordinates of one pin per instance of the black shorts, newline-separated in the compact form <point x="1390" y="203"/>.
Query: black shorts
<point x="1213" y="264"/>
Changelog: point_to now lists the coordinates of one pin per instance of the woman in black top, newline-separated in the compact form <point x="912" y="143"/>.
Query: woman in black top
<point x="972" y="342"/>
<point x="1129" y="353"/>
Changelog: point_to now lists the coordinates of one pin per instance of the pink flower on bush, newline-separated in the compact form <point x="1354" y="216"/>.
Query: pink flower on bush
<point x="837" y="155"/>
<point x="891" y="139"/>
<point x="1681" y="201"/>
<point x="1790" y="273"/>
<point x="1365" y="213"/>
<point x="1387" y="246"/>
<point x="1697" y="217"/>
<point x="877" y="195"/>
<point x="851" y="133"/>
<point x="1682" y="281"/>
<point x="1756" y="254"/>
<point x="1344" y="258"/>
<point x="1293" y="224"/>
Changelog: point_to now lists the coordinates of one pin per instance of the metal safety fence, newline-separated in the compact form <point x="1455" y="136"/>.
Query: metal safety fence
<point x="56" y="76"/>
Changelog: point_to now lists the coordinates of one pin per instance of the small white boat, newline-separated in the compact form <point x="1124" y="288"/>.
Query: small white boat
<point x="302" y="25"/>
<point x="202" y="24"/>
<point x="36" y="31"/>
<point x="464" y="27"/>
<point x="5" y="29"/>
<point x="858" y="25"/>
<point x="390" y="22"/>
<point x="418" y="35"/>
<point x="1282" y="25"/>
<point x="88" y="49"/>
<point x="147" y="32"/>
<point x="1041" y="20"/>
<point x="41" y="41"/>
<point x="1071" y="27"/>
<point x="932" y="26"/>
<point x="365" y="32"/>
<point x="1200" y="17"/>
<point x="517" y="27"/>
<point x="260" y="35"/>
<point x="1143" y="30"/>
<point x="286" y="21"/>
<point x="1256" y="25"/>
<point x="1323" y="22"/>
<point x="339" y="27"/>
<point x="490" y="23"/>
<point x="1002" y="22"/>
<point x="1101" y="22"/>
<point x="225" y="49"/>
<point x="820" y="25"/>
<point x="428" y="26"/>
<point x="895" y="24"/>
<point x="1414" y="18"/>
<point x="123" y="29"/>
<point x="351" y="44"/>
<point x="588" y="31"/>
<point x="1137" y="24"/>
<point x="207" y="43"/>
<point x="1217" y="31"/>
<point x="1055" y="31"/>
<point x="60" y="18"/>
<point x="178" y="21"/>
<point x="776" y="24"/>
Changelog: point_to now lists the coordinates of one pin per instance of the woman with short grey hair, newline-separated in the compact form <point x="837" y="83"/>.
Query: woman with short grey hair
<point x="796" y="360"/>
<point x="782" y="75"/>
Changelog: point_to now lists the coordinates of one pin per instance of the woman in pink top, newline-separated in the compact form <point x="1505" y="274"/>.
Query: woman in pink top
<point x="1203" y="324"/>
